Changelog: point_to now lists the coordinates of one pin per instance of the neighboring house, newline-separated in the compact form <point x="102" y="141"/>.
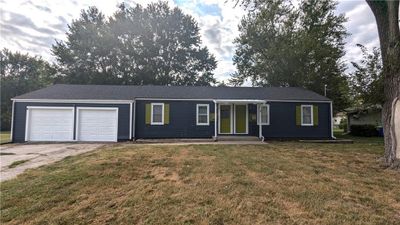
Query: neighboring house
<point x="365" y="115"/>
<point x="337" y="119"/>
<point x="113" y="113"/>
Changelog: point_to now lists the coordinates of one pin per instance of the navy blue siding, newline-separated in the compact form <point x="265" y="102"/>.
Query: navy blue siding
<point x="182" y="121"/>
<point x="20" y="117"/>
<point x="283" y="122"/>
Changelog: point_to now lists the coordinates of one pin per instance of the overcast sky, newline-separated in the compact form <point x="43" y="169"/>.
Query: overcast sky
<point x="33" y="26"/>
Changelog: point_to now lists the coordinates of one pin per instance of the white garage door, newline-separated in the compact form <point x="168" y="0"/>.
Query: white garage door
<point x="97" y="124"/>
<point x="50" y="124"/>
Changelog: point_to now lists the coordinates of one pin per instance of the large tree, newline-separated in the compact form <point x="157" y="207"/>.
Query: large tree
<point x="20" y="73"/>
<point x="366" y="79"/>
<point x="387" y="19"/>
<point x="152" y="45"/>
<point x="284" y="45"/>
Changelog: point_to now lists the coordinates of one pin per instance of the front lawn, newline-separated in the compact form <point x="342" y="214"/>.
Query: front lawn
<point x="278" y="183"/>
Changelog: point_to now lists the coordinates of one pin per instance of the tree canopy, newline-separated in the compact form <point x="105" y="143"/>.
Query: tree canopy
<point x="367" y="79"/>
<point x="20" y="73"/>
<point x="285" y="45"/>
<point x="137" y="45"/>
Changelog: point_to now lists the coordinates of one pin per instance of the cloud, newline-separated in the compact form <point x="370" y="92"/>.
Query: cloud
<point x="361" y="26"/>
<point x="33" y="26"/>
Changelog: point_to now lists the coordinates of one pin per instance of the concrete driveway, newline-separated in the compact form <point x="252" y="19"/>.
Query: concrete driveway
<point x="35" y="155"/>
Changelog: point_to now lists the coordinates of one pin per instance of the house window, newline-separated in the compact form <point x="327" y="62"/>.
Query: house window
<point x="307" y="115"/>
<point x="203" y="114"/>
<point x="263" y="115"/>
<point x="157" y="113"/>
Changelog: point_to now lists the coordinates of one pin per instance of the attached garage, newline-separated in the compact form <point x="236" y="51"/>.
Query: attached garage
<point x="72" y="121"/>
<point x="97" y="124"/>
<point x="49" y="124"/>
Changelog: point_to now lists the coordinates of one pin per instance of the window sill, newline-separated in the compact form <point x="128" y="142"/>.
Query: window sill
<point x="156" y="124"/>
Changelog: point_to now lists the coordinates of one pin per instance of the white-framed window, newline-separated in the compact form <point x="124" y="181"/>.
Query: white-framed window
<point x="202" y="114"/>
<point x="307" y="115"/>
<point x="157" y="113"/>
<point x="263" y="115"/>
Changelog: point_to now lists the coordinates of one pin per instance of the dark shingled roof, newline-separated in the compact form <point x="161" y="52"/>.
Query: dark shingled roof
<point x="125" y="92"/>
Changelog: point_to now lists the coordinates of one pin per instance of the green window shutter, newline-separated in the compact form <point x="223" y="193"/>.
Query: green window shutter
<point x="298" y="115"/>
<point x="166" y="113"/>
<point x="212" y="117"/>
<point x="148" y="113"/>
<point x="315" y="115"/>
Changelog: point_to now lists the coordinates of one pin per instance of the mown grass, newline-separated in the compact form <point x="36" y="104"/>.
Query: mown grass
<point x="7" y="153"/>
<point x="4" y="137"/>
<point x="278" y="183"/>
<point x="17" y="163"/>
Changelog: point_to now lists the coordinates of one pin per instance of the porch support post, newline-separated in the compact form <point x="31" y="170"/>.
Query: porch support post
<point x="215" y="120"/>
<point x="260" y="135"/>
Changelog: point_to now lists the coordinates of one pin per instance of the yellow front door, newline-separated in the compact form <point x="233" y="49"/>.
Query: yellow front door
<point x="225" y="119"/>
<point x="240" y="119"/>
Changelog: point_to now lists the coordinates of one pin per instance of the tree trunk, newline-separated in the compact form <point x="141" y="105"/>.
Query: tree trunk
<point x="387" y="19"/>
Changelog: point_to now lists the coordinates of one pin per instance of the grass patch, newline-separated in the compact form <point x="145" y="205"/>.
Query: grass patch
<point x="4" y="137"/>
<point x="7" y="153"/>
<point x="17" y="163"/>
<point x="278" y="183"/>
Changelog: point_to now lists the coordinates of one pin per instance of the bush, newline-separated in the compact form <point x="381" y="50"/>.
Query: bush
<point x="363" y="130"/>
<point x="343" y="125"/>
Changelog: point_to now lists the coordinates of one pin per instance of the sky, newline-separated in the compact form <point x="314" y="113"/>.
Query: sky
<point x="32" y="26"/>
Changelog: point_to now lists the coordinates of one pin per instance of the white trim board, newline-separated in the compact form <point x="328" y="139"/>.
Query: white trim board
<point x="311" y="113"/>
<point x="174" y="99"/>
<point x="197" y="115"/>
<point x="115" y="139"/>
<point x="134" y="121"/>
<point x="12" y="121"/>
<point x="234" y="119"/>
<point x="219" y="118"/>
<point x="28" y="120"/>
<point x="162" y="114"/>
<point x="259" y="106"/>
<point x="232" y="108"/>
<point x="111" y="101"/>
<point x="130" y="121"/>
<point x="94" y="101"/>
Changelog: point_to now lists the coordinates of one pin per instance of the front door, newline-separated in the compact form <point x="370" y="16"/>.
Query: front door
<point x="240" y="119"/>
<point x="225" y="119"/>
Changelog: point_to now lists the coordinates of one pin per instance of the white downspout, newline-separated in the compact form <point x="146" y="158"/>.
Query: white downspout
<point x="12" y="120"/>
<point x="260" y="135"/>
<point x="134" y="120"/>
<point x="333" y="137"/>
<point x="130" y="121"/>
<point x="215" y="121"/>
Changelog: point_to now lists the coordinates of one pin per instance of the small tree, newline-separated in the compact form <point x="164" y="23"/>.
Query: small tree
<point x="367" y="80"/>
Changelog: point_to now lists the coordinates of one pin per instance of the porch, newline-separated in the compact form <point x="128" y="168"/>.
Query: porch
<point x="235" y="118"/>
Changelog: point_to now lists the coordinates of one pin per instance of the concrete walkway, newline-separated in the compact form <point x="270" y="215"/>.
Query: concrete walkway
<point x="35" y="155"/>
<point x="203" y="143"/>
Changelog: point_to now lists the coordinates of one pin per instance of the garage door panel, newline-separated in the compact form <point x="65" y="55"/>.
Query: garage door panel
<point x="97" y="124"/>
<point x="50" y="124"/>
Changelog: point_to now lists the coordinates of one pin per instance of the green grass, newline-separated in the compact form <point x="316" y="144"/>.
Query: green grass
<point x="17" y="163"/>
<point x="277" y="183"/>
<point x="4" y="137"/>
<point x="7" y="153"/>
